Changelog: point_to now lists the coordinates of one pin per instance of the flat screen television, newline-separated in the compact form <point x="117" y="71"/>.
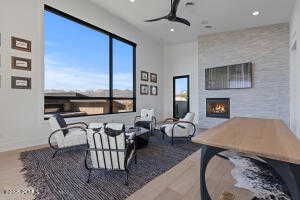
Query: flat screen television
<point x="229" y="77"/>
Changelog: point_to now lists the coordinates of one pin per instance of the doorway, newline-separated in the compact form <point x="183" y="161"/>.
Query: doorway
<point x="181" y="96"/>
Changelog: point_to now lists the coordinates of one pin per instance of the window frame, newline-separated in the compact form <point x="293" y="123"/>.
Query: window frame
<point x="111" y="37"/>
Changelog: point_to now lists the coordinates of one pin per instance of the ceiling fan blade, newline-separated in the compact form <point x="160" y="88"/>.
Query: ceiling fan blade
<point x="181" y="20"/>
<point x="174" y="7"/>
<point x="156" y="19"/>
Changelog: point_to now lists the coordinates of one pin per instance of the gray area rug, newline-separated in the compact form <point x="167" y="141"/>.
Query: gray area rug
<point x="64" y="177"/>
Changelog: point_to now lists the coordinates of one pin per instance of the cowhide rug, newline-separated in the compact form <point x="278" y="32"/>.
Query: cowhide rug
<point x="255" y="175"/>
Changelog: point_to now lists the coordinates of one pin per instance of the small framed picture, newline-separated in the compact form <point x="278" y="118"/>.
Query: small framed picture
<point x="21" y="63"/>
<point x="153" y="90"/>
<point x="20" y="82"/>
<point x="144" y="89"/>
<point x="153" y="78"/>
<point x="144" y="76"/>
<point x="20" y="44"/>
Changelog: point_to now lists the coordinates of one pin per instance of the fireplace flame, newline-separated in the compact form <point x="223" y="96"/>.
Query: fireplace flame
<point x="219" y="108"/>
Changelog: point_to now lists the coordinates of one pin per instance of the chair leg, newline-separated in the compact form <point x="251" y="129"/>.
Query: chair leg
<point x="55" y="153"/>
<point x="127" y="177"/>
<point x="89" y="177"/>
<point x="135" y="158"/>
<point x="172" y="141"/>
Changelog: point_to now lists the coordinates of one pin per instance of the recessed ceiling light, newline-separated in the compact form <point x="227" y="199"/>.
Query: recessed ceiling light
<point x="208" y="26"/>
<point x="172" y="30"/>
<point x="255" y="13"/>
<point x="132" y="1"/>
<point x="189" y="4"/>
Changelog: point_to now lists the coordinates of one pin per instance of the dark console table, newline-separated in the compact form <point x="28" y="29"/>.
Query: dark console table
<point x="271" y="140"/>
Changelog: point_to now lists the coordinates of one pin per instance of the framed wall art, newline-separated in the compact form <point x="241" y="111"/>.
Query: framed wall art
<point x="20" y="44"/>
<point x="153" y="90"/>
<point x="144" y="89"/>
<point x="153" y="77"/>
<point x="144" y="76"/>
<point x="237" y="76"/>
<point x="20" y="82"/>
<point x="21" y="63"/>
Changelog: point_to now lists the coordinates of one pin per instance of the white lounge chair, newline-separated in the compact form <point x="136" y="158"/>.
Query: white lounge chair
<point x="146" y="120"/>
<point x="182" y="128"/>
<point x="66" y="135"/>
<point x="110" y="149"/>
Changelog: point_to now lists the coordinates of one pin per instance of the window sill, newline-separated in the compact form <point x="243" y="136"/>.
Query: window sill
<point x="82" y="114"/>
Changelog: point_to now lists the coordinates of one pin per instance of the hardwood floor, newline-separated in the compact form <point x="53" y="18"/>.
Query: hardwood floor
<point x="12" y="183"/>
<point x="179" y="183"/>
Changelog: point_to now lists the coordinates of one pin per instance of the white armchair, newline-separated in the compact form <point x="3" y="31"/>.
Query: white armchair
<point x="66" y="135"/>
<point x="182" y="128"/>
<point x="146" y="120"/>
<point x="110" y="149"/>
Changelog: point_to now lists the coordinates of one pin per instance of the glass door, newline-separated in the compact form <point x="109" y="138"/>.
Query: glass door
<point x="181" y="94"/>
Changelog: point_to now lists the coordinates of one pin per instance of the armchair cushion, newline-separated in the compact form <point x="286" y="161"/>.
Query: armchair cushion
<point x="180" y="129"/>
<point x="96" y="125"/>
<point x="147" y="114"/>
<point x="112" y="149"/>
<point x="74" y="137"/>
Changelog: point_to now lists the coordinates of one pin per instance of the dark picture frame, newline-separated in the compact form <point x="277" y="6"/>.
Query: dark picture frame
<point x="153" y="90"/>
<point x="144" y="89"/>
<point x="144" y="76"/>
<point x="20" y="44"/>
<point x="20" y="82"/>
<point x="153" y="77"/>
<point x="20" y="63"/>
<point x="238" y="76"/>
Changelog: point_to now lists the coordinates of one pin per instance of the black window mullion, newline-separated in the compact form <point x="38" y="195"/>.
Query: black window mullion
<point x="134" y="78"/>
<point x="111" y="74"/>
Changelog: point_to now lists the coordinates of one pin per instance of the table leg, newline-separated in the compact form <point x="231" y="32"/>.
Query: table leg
<point x="207" y="153"/>
<point x="289" y="173"/>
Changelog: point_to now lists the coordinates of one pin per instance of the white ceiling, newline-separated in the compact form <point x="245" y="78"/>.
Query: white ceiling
<point x="223" y="15"/>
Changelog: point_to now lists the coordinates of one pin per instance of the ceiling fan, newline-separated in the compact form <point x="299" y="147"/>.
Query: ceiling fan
<point x="172" y="15"/>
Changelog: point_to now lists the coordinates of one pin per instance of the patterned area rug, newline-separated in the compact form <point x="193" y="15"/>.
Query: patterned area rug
<point x="64" y="177"/>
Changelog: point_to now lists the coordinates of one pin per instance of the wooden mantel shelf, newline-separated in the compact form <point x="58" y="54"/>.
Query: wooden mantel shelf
<point x="262" y="137"/>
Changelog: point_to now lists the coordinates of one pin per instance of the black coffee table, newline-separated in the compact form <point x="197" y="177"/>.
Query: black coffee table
<point x="141" y="136"/>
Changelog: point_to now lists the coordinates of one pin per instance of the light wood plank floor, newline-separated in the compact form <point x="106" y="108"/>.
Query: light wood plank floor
<point x="179" y="183"/>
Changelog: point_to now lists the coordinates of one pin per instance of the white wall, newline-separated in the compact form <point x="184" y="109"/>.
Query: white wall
<point x="295" y="70"/>
<point x="267" y="47"/>
<point x="181" y="59"/>
<point x="21" y="119"/>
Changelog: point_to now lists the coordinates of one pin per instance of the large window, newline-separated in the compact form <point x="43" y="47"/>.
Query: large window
<point x="88" y="71"/>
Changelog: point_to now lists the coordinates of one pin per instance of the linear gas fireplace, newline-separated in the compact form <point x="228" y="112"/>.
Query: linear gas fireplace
<point x="218" y="107"/>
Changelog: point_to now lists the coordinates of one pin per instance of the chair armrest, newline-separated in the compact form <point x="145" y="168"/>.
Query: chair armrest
<point x="67" y="128"/>
<point x="177" y="123"/>
<point x="170" y="119"/>
<point x="77" y="123"/>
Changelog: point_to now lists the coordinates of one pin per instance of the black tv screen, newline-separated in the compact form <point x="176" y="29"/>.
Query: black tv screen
<point x="229" y="77"/>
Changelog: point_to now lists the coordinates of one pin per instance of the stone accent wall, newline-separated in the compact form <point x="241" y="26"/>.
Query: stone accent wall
<point x="268" y="48"/>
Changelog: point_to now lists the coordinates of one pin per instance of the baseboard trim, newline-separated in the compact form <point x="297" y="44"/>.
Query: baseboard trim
<point x="19" y="145"/>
